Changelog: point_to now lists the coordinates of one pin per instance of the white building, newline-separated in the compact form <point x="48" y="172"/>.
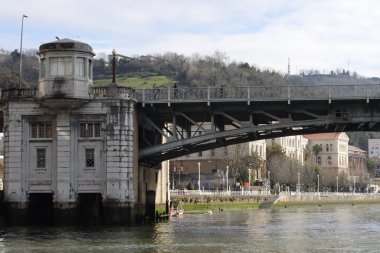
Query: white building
<point x="373" y="148"/>
<point x="70" y="149"/>
<point x="293" y="146"/>
<point x="334" y="150"/>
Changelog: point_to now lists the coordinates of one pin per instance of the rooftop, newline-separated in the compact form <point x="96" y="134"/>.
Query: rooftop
<point x="322" y="136"/>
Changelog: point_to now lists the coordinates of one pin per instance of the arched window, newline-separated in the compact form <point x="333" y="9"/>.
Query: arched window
<point x="331" y="147"/>
<point x="327" y="147"/>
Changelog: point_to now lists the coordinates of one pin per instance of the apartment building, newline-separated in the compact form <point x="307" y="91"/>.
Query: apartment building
<point x="293" y="146"/>
<point x="334" y="150"/>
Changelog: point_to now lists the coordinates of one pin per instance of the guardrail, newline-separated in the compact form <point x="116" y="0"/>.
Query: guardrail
<point x="218" y="193"/>
<point x="327" y="193"/>
<point x="223" y="94"/>
<point x="258" y="93"/>
<point x="17" y="93"/>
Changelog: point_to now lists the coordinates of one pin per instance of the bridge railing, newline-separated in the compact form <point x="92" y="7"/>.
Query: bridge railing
<point x="17" y="93"/>
<point x="113" y="91"/>
<point x="217" y="193"/>
<point x="258" y="93"/>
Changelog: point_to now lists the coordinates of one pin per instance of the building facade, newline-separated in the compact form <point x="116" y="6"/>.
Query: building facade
<point x="70" y="149"/>
<point x="334" y="151"/>
<point x="292" y="145"/>
<point x="211" y="166"/>
<point x="357" y="162"/>
<point x="373" y="148"/>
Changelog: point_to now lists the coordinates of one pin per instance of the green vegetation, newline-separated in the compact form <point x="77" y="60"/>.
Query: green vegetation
<point x="204" y="207"/>
<point x="138" y="82"/>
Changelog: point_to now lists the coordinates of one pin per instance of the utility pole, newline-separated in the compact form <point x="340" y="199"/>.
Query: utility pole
<point x="22" y="30"/>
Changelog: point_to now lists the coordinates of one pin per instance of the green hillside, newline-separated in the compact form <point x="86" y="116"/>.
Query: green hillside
<point x="138" y="82"/>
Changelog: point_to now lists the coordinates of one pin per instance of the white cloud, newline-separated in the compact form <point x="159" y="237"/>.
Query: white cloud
<point x="317" y="34"/>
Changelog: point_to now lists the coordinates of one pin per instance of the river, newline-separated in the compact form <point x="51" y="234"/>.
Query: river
<point x="294" y="229"/>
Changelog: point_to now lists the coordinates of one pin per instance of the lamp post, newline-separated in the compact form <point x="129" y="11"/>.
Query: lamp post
<point x="249" y="179"/>
<point x="173" y="177"/>
<point x="199" y="177"/>
<point x="179" y="175"/>
<point x="299" y="183"/>
<point x="318" y="182"/>
<point x="22" y="29"/>
<point x="227" y="178"/>
<point x="337" y="178"/>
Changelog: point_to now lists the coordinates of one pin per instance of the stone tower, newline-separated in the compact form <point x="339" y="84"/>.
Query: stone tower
<point x="71" y="149"/>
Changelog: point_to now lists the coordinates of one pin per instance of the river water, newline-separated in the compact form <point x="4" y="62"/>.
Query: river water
<point x="294" y="229"/>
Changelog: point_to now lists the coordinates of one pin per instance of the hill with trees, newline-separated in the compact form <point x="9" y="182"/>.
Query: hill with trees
<point x="194" y="71"/>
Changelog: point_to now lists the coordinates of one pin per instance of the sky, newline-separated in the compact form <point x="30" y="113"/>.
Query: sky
<point x="314" y="34"/>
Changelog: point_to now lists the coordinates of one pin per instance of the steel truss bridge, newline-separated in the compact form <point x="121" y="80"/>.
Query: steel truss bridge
<point x="178" y="121"/>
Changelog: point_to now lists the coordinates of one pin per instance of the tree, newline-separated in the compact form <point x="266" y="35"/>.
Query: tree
<point x="306" y="154"/>
<point x="371" y="167"/>
<point x="317" y="148"/>
<point x="278" y="164"/>
<point x="251" y="161"/>
<point x="274" y="150"/>
<point x="234" y="159"/>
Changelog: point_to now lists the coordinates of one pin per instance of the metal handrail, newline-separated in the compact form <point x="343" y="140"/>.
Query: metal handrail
<point x="222" y="94"/>
<point x="258" y="93"/>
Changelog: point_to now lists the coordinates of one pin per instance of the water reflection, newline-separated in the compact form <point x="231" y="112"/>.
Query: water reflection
<point x="292" y="229"/>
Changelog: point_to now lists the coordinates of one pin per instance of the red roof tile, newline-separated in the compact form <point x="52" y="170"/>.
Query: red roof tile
<point x="322" y="136"/>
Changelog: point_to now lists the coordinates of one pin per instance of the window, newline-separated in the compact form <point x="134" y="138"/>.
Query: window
<point x="89" y="72"/>
<point x="89" y="130"/>
<point x="331" y="147"/>
<point x="200" y="153"/>
<point x="41" y="158"/>
<point x="212" y="152"/>
<point x="114" y="115"/>
<point x="90" y="157"/>
<point x="60" y="66"/>
<point x="79" y="66"/>
<point x="319" y="160"/>
<point x="327" y="147"/>
<point x="43" y="68"/>
<point x="329" y="160"/>
<point x="41" y="130"/>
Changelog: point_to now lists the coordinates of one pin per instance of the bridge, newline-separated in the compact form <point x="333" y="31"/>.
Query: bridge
<point x="74" y="150"/>
<point x="241" y="114"/>
<point x="178" y="121"/>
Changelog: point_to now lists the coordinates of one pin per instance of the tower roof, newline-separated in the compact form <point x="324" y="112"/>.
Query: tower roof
<point x="66" y="45"/>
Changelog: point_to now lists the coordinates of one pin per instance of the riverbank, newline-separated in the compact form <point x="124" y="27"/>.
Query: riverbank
<point x="202" y="204"/>
<point x="325" y="203"/>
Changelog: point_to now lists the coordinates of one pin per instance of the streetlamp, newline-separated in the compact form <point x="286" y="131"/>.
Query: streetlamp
<point x="299" y="183"/>
<point x="249" y="179"/>
<point x="22" y="29"/>
<point x="318" y="182"/>
<point x="337" y="178"/>
<point x="173" y="177"/>
<point x="179" y="175"/>
<point x="199" y="177"/>
<point x="227" y="178"/>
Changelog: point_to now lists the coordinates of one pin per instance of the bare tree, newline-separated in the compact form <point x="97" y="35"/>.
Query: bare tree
<point x="317" y="148"/>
